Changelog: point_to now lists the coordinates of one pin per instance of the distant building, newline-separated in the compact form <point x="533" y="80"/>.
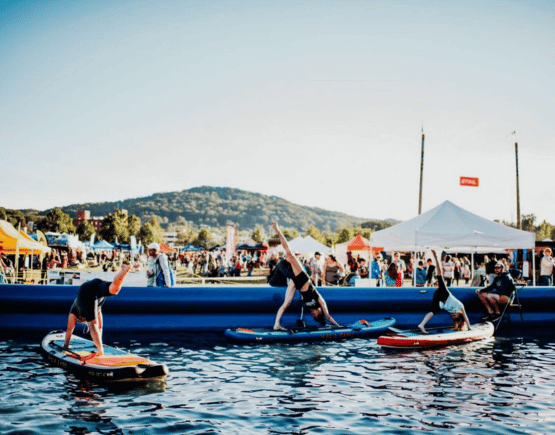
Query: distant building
<point x="170" y="238"/>
<point x="85" y="215"/>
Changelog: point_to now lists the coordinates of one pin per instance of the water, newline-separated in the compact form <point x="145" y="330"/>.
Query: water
<point x="503" y="385"/>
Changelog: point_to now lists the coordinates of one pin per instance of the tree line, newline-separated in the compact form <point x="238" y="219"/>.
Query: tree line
<point x="120" y="226"/>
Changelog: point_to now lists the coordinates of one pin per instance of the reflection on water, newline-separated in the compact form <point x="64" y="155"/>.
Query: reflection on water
<point x="501" y="385"/>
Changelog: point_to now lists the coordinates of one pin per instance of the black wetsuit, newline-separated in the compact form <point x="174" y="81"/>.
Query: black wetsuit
<point x="311" y="295"/>
<point x="280" y="274"/>
<point x="90" y="298"/>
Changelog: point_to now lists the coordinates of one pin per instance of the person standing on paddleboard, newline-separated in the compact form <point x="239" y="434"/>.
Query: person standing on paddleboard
<point x="443" y="299"/>
<point x="87" y="307"/>
<point x="300" y="281"/>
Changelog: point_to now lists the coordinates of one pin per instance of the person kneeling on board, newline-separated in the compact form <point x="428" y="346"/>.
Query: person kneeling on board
<point x="443" y="299"/>
<point x="300" y="281"/>
<point x="497" y="293"/>
<point x="87" y="307"/>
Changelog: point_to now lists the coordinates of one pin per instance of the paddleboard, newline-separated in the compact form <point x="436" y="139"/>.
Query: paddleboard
<point x="415" y="339"/>
<point x="362" y="328"/>
<point x="115" y="365"/>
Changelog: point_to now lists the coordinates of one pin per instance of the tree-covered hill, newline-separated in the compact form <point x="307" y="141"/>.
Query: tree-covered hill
<point x="217" y="206"/>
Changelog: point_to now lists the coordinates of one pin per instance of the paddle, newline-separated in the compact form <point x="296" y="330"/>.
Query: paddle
<point x="81" y="358"/>
<point x="514" y="295"/>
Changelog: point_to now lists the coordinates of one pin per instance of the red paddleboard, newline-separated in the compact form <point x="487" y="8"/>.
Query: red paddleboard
<point x="415" y="339"/>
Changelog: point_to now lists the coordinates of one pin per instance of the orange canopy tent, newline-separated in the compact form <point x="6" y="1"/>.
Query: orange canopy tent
<point x="361" y="244"/>
<point x="165" y="248"/>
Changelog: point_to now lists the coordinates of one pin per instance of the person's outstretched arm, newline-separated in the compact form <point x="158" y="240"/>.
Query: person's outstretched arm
<point x="327" y="315"/>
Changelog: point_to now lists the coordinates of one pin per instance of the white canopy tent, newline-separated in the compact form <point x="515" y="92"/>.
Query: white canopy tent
<point x="448" y="226"/>
<point x="305" y="246"/>
<point x="308" y="246"/>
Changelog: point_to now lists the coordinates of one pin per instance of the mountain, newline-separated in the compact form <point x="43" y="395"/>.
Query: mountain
<point x="217" y="206"/>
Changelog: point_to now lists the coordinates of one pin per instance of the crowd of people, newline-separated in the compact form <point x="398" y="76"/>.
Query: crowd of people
<point x="383" y="270"/>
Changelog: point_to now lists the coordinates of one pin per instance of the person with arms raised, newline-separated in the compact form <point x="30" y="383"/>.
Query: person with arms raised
<point x="300" y="281"/>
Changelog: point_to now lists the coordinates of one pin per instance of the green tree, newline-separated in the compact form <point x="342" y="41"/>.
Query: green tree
<point x="57" y="222"/>
<point x="258" y="234"/>
<point x="3" y="214"/>
<point x="544" y="231"/>
<point x="15" y="217"/>
<point x="114" y="226"/>
<point x="315" y="233"/>
<point x="345" y="235"/>
<point x="85" y="230"/>
<point x="528" y="222"/>
<point x="151" y="232"/>
<point x="290" y="234"/>
<point x="204" y="238"/>
<point x="185" y="236"/>
<point x="133" y="225"/>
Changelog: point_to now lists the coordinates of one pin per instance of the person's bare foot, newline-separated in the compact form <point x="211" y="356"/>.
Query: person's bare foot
<point x="279" y="328"/>
<point x="422" y="329"/>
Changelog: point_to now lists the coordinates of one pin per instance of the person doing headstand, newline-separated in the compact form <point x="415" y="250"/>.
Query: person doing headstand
<point x="443" y="299"/>
<point x="311" y="298"/>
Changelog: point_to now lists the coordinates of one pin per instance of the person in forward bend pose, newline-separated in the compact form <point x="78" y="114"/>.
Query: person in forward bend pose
<point x="300" y="281"/>
<point x="87" y="307"/>
<point x="444" y="300"/>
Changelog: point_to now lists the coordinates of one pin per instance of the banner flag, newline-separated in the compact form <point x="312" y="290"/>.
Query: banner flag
<point x="230" y="242"/>
<point x="470" y="181"/>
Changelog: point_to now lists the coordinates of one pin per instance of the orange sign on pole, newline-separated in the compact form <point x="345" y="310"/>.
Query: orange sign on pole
<point x="470" y="181"/>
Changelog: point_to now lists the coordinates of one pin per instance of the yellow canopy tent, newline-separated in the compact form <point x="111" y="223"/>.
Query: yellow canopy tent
<point x="12" y="241"/>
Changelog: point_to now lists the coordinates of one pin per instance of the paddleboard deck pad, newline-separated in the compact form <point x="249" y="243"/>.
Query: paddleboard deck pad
<point x="362" y="328"/>
<point x="115" y="365"/>
<point x="415" y="339"/>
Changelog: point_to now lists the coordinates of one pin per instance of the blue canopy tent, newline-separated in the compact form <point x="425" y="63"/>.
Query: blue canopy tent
<point x="190" y="247"/>
<point x="251" y="246"/>
<point x="102" y="245"/>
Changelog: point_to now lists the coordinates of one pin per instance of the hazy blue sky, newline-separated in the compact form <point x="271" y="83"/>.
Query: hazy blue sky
<point x="321" y="103"/>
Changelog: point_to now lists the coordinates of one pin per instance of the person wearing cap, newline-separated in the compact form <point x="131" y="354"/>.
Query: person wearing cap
<point x="497" y="293"/>
<point x="430" y="273"/>
<point x="316" y="266"/>
<point x="376" y="270"/>
<point x="300" y="281"/>
<point x="443" y="300"/>
<point x="157" y="262"/>
<point x="87" y="307"/>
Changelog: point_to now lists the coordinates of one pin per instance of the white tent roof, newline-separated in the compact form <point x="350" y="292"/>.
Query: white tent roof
<point x="304" y="246"/>
<point x="449" y="226"/>
<point x="308" y="245"/>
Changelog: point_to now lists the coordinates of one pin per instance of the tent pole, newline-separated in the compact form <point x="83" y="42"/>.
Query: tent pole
<point x="414" y="269"/>
<point x="472" y="264"/>
<point x="534" y="266"/>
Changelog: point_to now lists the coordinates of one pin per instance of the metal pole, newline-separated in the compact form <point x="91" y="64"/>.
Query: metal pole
<point x="421" y="174"/>
<point x="518" y="222"/>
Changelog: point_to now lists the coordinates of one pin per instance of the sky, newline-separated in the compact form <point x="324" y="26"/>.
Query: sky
<point x="320" y="103"/>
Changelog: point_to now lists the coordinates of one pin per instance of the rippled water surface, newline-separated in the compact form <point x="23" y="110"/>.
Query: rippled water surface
<point x="502" y="385"/>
